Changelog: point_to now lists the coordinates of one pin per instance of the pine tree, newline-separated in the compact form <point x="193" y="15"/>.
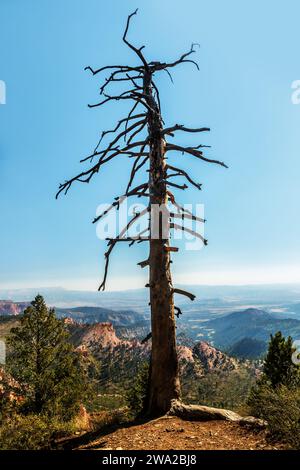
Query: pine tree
<point x="276" y="396"/>
<point x="279" y="368"/>
<point x="279" y="372"/>
<point x="137" y="394"/>
<point x="44" y="362"/>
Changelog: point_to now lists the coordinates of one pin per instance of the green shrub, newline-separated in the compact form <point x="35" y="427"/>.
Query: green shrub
<point x="33" y="432"/>
<point x="280" y="407"/>
<point x="225" y="389"/>
<point x="105" y="418"/>
<point x="25" y="433"/>
<point x="276" y="396"/>
<point x="136" y="396"/>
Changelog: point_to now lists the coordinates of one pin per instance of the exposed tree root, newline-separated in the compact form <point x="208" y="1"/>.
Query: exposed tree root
<point x="206" y="413"/>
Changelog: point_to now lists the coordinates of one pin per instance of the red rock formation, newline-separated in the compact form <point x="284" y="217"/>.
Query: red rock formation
<point x="69" y="321"/>
<point x="211" y="358"/>
<point x="9" y="387"/>
<point x="8" y="307"/>
<point x="103" y="335"/>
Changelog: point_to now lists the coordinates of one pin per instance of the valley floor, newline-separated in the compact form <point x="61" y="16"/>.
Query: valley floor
<point x="175" y="434"/>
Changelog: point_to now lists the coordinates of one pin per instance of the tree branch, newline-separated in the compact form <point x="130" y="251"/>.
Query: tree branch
<point x="181" y="172"/>
<point x="192" y="232"/>
<point x="195" y="152"/>
<point x="175" y="185"/>
<point x="136" y="167"/>
<point x="178" y="311"/>
<point x="149" y="336"/>
<point x="122" y="96"/>
<point x="112" y="78"/>
<point x="128" y="118"/>
<point x="181" y="127"/>
<point x="187" y="216"/>
<point x="112" y="242"/>
<point x="155" y="66"/>
<point x="144" y="263"/>
<point x="123" y="68"/>
<point x="184" y="292"/>
<point x="135" y="191"/>
<point x="137" y="51"/>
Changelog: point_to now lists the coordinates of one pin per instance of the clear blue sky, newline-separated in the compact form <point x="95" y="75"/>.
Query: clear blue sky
<point x="249" y="57"/>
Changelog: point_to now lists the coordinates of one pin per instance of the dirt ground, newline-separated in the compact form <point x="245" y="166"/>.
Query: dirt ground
<point x="175" y="434"/>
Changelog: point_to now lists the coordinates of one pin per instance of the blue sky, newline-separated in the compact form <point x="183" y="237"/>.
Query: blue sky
<point x="248" y="60"/>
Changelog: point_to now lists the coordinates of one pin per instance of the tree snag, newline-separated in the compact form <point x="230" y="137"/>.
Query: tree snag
<point x="143" y="94"/>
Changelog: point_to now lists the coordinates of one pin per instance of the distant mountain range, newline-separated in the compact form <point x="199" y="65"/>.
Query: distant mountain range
<point x="248" y="348"/>
<point x="120" y="318"/>
<point x="243" y="333"/>
<point x="98" y="314"/>
<point x="227" y="297"/>
<point x="251" y="323"/>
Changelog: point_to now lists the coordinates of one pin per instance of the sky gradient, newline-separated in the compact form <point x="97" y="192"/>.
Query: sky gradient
<point x="248" y="60"/>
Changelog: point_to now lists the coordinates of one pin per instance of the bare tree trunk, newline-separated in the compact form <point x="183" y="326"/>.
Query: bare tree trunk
<point x="164" y="383"/>
<point x="164" y="376"/>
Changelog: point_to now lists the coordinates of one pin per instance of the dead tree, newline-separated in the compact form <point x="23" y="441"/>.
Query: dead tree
<point x="145" y="114"/>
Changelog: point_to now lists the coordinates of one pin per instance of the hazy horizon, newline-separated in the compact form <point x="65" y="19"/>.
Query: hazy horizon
<point x="125" y="284"/>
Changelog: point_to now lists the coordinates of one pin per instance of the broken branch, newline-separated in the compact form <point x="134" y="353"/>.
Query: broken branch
<point x="184" y="292"/>
<point x="186" y="229"/>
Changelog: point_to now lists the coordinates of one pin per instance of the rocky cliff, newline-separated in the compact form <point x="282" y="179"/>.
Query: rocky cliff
<point x="8" y="307"/>
<point x="122" y="357"/>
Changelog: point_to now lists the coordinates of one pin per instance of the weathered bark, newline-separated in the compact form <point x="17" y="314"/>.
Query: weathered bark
<point x="164" y="374"/>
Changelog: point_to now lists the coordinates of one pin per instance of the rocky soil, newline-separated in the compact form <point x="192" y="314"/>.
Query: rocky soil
<point x="172" y="433"/>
